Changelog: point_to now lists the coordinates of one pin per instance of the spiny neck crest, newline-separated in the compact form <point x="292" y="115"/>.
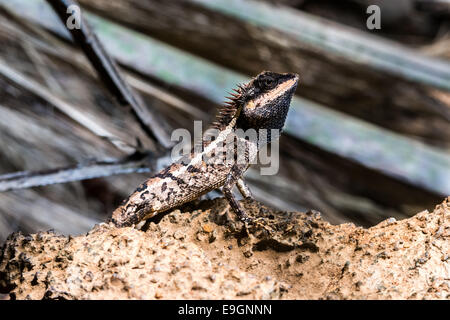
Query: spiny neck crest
<point x="231" y="108"/>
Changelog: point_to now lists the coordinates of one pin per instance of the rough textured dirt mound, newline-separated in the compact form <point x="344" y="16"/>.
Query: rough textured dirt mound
<point x="204" y="253"/>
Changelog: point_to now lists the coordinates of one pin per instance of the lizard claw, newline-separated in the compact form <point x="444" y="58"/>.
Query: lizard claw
<point x="246" y="219"/>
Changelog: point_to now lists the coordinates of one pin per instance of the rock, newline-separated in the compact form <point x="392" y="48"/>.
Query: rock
<point x="392" y="260"/>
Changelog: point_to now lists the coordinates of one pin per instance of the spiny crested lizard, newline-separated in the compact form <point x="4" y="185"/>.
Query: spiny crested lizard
<point x="263" y="103"/>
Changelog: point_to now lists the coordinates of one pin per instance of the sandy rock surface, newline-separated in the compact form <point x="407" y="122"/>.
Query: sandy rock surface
<point x="201" y="252"/>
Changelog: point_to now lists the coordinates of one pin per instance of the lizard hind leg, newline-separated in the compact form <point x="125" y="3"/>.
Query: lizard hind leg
<point x="232" y="179"/>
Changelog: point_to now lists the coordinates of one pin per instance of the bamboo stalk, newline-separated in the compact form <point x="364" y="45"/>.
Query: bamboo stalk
<point x="346" y="42"/>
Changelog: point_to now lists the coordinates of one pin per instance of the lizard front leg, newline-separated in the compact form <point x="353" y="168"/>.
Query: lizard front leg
<point x="233" y="178"/>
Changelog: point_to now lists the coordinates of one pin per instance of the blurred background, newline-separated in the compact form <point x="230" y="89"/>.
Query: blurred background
<point x="367" y="137"/>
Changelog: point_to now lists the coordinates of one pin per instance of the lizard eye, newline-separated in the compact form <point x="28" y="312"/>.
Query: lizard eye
<point x="267" y="82"/>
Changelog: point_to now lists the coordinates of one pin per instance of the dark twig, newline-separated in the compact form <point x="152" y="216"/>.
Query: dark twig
<point x="109" y="72"/>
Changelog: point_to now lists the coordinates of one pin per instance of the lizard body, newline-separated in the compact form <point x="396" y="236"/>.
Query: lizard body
<point x="262" y="103"/>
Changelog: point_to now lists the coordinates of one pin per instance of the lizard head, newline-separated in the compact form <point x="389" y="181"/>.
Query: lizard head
<point x="265" y="100"/>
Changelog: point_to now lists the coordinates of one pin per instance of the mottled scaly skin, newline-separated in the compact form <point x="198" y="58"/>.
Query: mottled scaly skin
<point x="181" y="182"/>
<point x="263" y="103"/>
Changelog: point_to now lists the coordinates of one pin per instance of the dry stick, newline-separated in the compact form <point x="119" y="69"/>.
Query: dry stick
<point x="108" y="71"/>
<point x="97" y="169"/>
<point x="21" y="180"/>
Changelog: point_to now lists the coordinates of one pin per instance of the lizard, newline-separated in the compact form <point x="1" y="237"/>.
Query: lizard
<point x="262" y="103"/>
